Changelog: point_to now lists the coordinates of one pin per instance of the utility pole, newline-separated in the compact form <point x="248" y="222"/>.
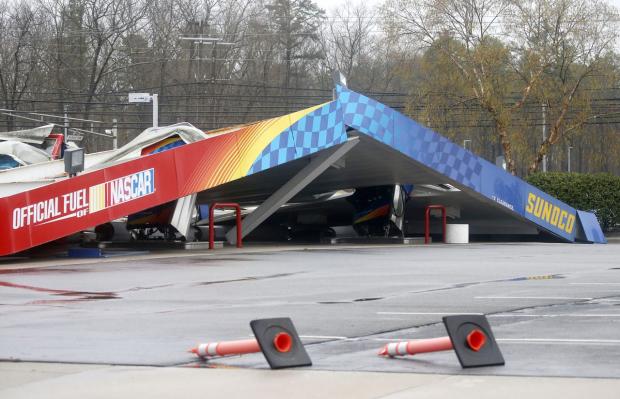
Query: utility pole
<point x="214" y="42"/>
<point x="544" y="135"/>
<point x="66" y="130"/>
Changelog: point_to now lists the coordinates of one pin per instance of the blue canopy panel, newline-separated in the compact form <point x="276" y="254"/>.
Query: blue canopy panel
<point x="589" y="228"/>
<point x="463" y="167"/>
<point x="325" y="127"/>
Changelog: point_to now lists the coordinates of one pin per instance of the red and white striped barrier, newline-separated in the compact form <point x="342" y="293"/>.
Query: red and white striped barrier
<point x="475" y="341"/>
<point x="282" y="343"/>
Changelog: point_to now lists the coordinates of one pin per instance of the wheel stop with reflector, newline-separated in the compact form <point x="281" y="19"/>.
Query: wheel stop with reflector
<point x="469" y="335"/>
<point x="280" y="343"/>
<point x="276" y="338"/>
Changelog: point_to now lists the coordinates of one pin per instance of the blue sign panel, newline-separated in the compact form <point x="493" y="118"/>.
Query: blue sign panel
<point x="591" y="228"/>
<point x="502" y="187"/>
<point x="549" y="212"/>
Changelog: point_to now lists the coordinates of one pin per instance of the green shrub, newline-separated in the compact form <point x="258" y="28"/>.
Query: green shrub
<point x="598" y="193"/>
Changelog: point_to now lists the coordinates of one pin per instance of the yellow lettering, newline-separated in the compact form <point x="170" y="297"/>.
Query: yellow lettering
<point x="569" y="224"/>
<point x="550" y="213"/>
<point x="538" y="208"/>
<point x="563" y="215"/>
<point x="546" y="213"/>
<point x="530" y="203"/>
<point x="555" y="215"/>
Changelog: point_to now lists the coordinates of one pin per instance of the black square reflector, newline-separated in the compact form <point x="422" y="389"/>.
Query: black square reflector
<point x="280" y="343"/>
<point x="473" y="341"/>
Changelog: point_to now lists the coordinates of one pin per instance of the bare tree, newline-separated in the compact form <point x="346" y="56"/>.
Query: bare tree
<point x="164" y="30"/>
<point x="347" y="38"/>
<point x="19" y="54"/>
<point x="105" y="23"/>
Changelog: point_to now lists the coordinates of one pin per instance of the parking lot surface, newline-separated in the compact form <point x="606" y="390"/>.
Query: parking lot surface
<point x="554" y="309"/>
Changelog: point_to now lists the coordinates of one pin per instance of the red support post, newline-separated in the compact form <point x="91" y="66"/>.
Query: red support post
<point x="224" y="205"/>
<point x="427" y="222"/>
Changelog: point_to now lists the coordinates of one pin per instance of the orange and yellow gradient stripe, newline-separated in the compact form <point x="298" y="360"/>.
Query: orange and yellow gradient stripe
<point x="237" y="151"/>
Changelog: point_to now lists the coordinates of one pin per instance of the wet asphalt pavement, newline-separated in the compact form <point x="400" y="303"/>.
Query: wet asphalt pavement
<point x="554" y="308"/>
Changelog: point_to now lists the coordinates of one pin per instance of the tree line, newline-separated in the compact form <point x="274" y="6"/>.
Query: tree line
<point x="530" y="80"/>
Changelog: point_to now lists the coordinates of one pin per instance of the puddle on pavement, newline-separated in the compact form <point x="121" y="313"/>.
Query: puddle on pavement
<point x="368" y="299"/>
<point x="349" y="302"/>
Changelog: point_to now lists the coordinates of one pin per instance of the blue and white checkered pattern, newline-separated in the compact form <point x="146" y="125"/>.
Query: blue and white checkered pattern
<point x="280" y="150"/>
<point x="403" y="134"/>
<point x="364" y="113"/>
<point x="458" y="164"/>
<point x="322" y="128"/>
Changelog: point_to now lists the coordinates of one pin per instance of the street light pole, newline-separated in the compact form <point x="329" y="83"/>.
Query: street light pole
<point x="154" y="97"/>
<point x="145" y="98"/>
<point x="569" y="148"/>
<point x="115" y="133"/>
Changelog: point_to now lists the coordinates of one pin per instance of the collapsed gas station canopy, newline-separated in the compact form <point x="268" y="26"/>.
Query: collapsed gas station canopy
<point x="350" y="142"/>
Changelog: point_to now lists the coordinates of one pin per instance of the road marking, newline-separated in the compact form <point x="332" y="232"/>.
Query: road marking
<point x="426" y="313"/>
<point x="323" y="337"/>
<point x="508" y="340"/>
<point x="533" y="297"/>
<point x="556" y="315"/>
<point x="561" y="340"/>
<point x="501" y="315"/>
<point x="594" y="283"/>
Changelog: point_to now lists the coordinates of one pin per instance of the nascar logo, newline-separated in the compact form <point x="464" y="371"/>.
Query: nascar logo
<point x="121" y="190"/>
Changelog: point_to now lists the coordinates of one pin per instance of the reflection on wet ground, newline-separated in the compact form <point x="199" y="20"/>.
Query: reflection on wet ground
<point x="79" y="295"/>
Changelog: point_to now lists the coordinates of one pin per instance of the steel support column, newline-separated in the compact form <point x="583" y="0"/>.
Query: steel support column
<point x="182" y="216"/>
<point x="318" y="164"/>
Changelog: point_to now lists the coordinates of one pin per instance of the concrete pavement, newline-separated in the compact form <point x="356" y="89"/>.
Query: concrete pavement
<point x="79" y="382"/>
<point x="553" y="308"/>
